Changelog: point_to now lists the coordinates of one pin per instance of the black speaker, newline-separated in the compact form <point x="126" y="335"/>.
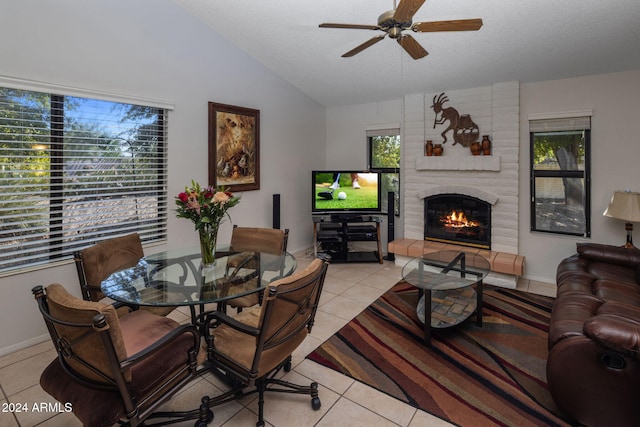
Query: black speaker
<point x="276" y="211"/>
<point x="391" y="222"/>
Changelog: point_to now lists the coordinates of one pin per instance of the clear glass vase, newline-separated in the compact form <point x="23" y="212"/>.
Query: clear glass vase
<point x="208" y="238"/>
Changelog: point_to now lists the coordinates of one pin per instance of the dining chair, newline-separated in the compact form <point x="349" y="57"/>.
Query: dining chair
<point x="248" y="241"/>
<point x="251" y="348"/>
<point x="94" y="264"/>
<point x="113" y="369"/>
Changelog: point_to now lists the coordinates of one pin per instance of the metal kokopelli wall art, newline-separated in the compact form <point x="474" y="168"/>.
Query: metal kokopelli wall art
<point x="465" y="131"/>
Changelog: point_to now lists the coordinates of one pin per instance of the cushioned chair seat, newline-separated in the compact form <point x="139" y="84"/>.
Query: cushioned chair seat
<point x="91" y="406"/>
<point x="107" y="364"/>
<point x="240" y="347"/>
<point x="108" y="408"/>
<point x="251" y="348"/>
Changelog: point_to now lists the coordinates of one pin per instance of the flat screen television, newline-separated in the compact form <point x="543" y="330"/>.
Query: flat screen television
<point x="345" y="191"/>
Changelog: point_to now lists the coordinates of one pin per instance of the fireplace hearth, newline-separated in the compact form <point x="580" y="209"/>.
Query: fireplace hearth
<point x="457" y="218"/>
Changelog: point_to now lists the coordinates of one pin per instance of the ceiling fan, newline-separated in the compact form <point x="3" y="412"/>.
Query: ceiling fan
<point x="395" y="21"/>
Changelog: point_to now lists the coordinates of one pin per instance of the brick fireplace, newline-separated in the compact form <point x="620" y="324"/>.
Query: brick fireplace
<point x="492" y="179"/>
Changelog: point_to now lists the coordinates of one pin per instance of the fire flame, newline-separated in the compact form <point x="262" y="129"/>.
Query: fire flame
<point x="458" y="220"/>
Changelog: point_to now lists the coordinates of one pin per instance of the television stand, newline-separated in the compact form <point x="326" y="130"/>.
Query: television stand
<point x="334" y="232"/>
<point x="338" y="217"/>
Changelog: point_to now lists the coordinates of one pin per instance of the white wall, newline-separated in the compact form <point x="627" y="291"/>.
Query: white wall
<point x="615" y="157"/>
<point x="615" y="154"/>
<point x="347" y="141"/>
<point x="153" y="49"/>
<point x="346" y="131"/>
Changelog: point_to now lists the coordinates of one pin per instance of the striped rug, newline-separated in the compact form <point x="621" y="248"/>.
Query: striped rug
<point x="471" y="376"/>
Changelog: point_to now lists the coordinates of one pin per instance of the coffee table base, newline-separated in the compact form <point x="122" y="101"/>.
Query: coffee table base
<point x="448" y="308"/>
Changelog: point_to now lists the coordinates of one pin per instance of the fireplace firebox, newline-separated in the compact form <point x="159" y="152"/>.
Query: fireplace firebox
<point x="457" y="218"/>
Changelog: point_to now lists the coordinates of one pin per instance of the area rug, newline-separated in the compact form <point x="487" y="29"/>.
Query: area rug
<point x="492" y="375"/>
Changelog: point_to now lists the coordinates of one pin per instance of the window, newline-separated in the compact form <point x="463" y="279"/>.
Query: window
<point x="74" y="171"/>
<point x="384" y="157"/>
<point x="560" y="179"/>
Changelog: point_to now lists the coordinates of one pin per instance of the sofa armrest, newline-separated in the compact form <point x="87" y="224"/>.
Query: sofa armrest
<point x="616" y="332"/>
<point x="626" y="257"/>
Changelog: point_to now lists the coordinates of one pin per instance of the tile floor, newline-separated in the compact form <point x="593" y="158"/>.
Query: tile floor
<point x="349" y="288"/>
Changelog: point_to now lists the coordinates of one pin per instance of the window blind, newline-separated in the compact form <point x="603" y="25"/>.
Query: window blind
<point x="74" y="171"/>
<point x="560" y="124"/>
<point x="382" y="132"/>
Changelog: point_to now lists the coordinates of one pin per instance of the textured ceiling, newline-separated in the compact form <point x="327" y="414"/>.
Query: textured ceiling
<point x="524" y="40"/>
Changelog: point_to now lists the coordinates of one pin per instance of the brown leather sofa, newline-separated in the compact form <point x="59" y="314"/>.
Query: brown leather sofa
<point x="593" y="369"/>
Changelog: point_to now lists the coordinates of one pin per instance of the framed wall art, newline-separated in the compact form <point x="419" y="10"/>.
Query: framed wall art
<point x="234" y="147"/>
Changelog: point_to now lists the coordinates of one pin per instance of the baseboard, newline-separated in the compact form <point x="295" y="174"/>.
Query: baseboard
<point x="24" y="344"/>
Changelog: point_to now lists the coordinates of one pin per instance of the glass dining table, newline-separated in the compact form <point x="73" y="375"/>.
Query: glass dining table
<point x="177" y="278"/>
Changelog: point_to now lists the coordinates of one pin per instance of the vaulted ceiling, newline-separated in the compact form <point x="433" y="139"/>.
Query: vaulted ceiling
<point x="523" y="40"/>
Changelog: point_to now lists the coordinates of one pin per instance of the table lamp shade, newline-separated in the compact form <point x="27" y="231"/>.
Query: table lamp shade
<point x="624" y="205"/>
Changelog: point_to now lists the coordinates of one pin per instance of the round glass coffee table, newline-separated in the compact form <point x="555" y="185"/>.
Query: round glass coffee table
<point x="445" y="280"/>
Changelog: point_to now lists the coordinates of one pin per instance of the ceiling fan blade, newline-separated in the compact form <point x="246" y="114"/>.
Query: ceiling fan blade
<point x="350" y="26"/>
<point x="363" y="46"/>
<point x="455" y="25"/>
<point x="412" y="47"/>
<point x="406" y="9"/>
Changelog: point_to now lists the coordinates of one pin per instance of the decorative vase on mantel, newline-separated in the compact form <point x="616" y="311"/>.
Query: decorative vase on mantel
<point x="208" y="239"/>
<point x="486" y="145"/>
<point x="428" y="148"/>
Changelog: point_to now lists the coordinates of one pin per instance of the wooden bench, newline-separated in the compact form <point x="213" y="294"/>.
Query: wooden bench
<point x="501" y="262"/>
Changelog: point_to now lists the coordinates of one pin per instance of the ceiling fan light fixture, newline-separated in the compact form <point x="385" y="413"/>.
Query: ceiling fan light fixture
<point x="395" y="32"/>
